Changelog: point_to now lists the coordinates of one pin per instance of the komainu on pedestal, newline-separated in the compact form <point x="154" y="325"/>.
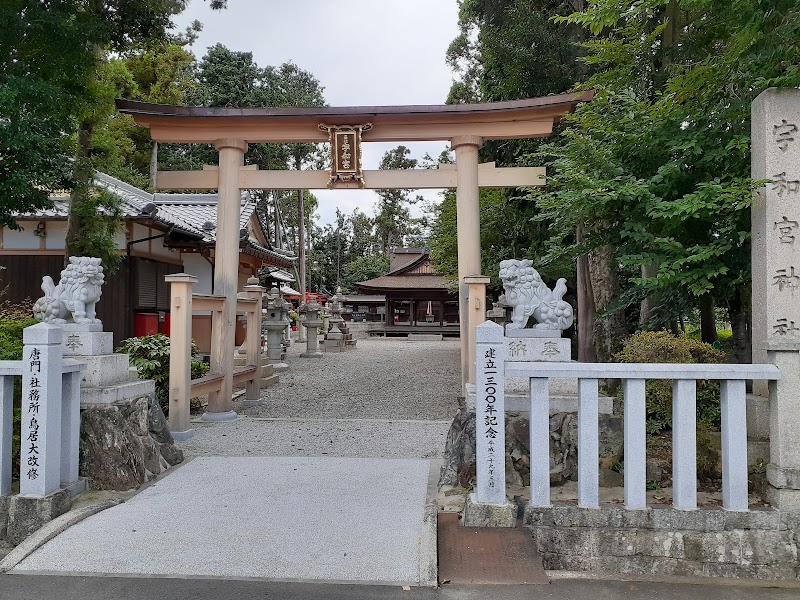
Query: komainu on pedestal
<point x="74" y="299"/>
<point x="530" y="297"/>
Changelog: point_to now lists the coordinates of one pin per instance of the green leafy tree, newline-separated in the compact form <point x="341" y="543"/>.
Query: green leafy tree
<point x="393" y="220"/>
<point x="57" y="80"/>
<point x="364" y="268"/>
<point x="656" y="169"/>
<point x="43" y="72"/>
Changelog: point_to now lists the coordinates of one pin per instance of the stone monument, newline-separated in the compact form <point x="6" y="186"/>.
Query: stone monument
<point x="776" y="281"/>
<point x="312" y="322"/>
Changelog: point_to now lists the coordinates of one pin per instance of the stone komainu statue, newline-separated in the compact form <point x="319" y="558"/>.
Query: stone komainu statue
<point x="75" y="296"/>
<point x="529" y="296"/>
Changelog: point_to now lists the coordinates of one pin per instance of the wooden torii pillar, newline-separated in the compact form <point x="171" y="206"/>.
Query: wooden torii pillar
<point x="465" y="126"/>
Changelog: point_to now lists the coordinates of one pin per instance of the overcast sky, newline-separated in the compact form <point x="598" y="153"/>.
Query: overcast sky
<point x="364" y="52"/>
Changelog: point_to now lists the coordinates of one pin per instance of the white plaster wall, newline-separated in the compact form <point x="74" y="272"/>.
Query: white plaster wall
<point x="139" y="232"/>
<point x="155" y="247"/>
<point x="56" y="235"/>
<point x="21" y="240"/>
<point x="158" y="249"/>
<point x="196" y="265"/>
<point x="119" y="237"/>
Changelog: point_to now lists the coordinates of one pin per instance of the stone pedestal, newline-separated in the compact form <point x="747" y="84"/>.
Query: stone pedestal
<point x="107" y="378"/>
<point x="268" y="375"/>
<point x="126" y="438"/>
<point x="26" y="514"/>
<point x="477" y="514"/>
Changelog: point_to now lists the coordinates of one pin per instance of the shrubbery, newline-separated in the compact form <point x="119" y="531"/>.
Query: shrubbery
<point x="150" y="355"/>
<point x="663" y="347"/>
<point x="13" y="319"/>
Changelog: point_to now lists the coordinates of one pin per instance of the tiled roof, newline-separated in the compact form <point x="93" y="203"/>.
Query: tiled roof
<point x="405" y="282"/>
<point x="364" y="298"/>
<point x="187" y="213"/>
<point x="198" y="209"/>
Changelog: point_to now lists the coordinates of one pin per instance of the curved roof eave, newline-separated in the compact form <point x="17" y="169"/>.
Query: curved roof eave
<point x="559" y="101"/>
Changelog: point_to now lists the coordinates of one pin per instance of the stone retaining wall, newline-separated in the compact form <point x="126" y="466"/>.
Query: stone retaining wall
<point x="125" y="445"/>
<point x="459" y="457"/>
<point x="121" y="447"/>
<point x="761" y="544"/>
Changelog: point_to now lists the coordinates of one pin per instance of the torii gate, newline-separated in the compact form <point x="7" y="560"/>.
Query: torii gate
<point x="465" y="126"/>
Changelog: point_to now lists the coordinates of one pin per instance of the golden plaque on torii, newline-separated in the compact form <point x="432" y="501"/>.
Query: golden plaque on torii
<point x="345" y="143"/>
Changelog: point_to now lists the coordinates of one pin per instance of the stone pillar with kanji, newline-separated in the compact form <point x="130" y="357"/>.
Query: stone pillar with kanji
<point x="776" y="280"/>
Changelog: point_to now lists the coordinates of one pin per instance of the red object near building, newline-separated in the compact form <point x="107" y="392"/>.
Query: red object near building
<point x="151" y="323"/>
<point x="145" y="324"/>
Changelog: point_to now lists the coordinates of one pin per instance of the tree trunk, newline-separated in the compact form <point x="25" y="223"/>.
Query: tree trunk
<point x="609" y="329"/>
<point x="673" y="327"/>
<point x="708" y="325"/>
<point x="586" y="351"/>
<point x="154" y="166"/>
<point x="740" y="314"/>
<point x="648" y="303"/>
<point x="83" y="180"/>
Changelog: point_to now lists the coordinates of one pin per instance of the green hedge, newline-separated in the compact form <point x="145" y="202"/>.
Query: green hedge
<point x="663" y="347"/>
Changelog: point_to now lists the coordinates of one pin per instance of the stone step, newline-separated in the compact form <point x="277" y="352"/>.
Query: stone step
<point x="93" y="396"/>
<point x="345" y="539"/>
<point x="104" y="370"/>
<point x="425" y="337"/>
<point x="269" y="381"/>
<point x="240" y="360"/>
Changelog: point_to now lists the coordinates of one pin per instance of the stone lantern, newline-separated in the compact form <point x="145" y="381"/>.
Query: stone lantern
<point x="341" y="340"/>
<point x="286" y="340"/>
<point x="312" y="323"/>
<point x="275" y="323"/>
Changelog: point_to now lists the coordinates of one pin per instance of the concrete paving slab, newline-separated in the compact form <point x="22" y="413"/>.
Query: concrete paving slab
<point x="294" y="519"/>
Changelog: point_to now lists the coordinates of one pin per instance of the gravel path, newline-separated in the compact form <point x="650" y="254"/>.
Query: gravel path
<point x="388" y="398"/>
<point x="372" y="438"/>
<point x="383" y="378"/>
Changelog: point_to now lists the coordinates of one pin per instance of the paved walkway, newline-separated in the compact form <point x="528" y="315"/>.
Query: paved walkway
<point x="326" y="482"/>
<point x="331" y="519"/>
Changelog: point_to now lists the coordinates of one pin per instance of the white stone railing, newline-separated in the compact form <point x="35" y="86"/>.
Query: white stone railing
<point x="50" y="429"/>
<point x="493" y="368"/>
